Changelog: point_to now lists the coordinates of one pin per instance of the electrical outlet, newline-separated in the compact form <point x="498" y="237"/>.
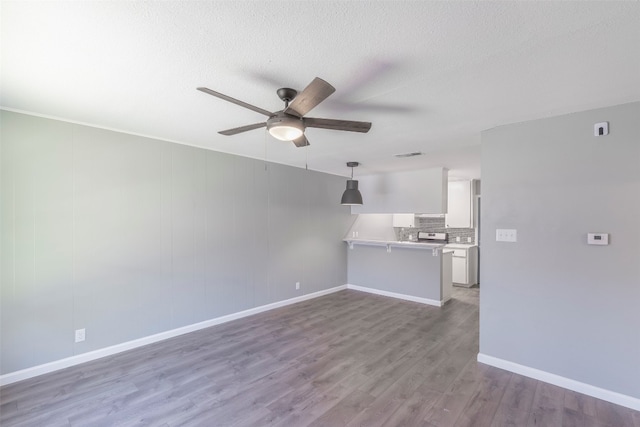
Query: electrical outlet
<point x="80" y="335"/>
<point x="469" y="239"/>
<point x="506" y="235"/>
<point x="297" y="286"/>
<point x="457" y="238"/>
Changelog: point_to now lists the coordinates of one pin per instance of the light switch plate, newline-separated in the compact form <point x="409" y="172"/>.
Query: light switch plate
<point x="506" y="235"/>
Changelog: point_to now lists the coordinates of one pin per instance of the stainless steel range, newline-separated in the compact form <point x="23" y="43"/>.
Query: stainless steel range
<point x="426" y="237"/>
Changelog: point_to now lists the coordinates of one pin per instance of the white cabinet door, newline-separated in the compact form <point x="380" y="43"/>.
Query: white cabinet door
<point x="459" y="270"/>
<point x="404" y="220"/>
<point x="459" y="206"/>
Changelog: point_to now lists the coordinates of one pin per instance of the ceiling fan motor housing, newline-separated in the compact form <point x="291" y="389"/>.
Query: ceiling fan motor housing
<point x="285" y="126"/>
<point x="287" y="94"/>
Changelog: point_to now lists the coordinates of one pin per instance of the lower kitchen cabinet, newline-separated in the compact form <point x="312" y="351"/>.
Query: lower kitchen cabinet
<point x="464" y="265"/>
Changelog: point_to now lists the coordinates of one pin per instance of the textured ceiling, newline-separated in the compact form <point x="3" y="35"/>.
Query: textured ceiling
<point x="429" y="75"/>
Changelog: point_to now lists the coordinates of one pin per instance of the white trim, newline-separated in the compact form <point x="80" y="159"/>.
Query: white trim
<point x="34" y="371"/>
<point x="547" y="377"/>
<point x="396" y="295"/>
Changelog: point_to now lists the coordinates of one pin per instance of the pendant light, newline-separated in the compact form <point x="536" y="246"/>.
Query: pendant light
<point x="351" y="195"/>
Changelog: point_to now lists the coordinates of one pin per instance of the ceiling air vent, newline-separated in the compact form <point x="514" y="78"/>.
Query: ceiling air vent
<point x="403" y="155"/>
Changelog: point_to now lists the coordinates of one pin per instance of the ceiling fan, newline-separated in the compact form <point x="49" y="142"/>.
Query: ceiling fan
<point x="289" y="124"/>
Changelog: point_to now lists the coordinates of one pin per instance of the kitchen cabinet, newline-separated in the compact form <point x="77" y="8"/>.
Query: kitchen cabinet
<point x="417" y="191"/>
<point x="459" y="205"/>
<point x="459" y="270"/>
<point x="464" y="264"/>
<point x="404" y="220"/>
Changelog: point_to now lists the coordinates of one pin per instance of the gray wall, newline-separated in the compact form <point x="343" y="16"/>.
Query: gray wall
<point x="406" y="271"/>
<point x="128" y="236"/>
<point x="550" y="301"/>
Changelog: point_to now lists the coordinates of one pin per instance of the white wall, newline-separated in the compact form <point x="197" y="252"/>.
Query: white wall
<point x="128" y="237"/>
<point x="550" y="301"/>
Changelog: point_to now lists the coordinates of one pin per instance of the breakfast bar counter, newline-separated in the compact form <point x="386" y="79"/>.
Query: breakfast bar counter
<point x="415" y="271"/>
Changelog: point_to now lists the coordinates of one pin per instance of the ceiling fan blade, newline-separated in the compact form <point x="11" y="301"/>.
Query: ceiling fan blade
<point x="317" y="91"/>
<point x="235" y="101"/>
<point x="242" y="129"/>
<point x="347" y="125"/>
<point x="301" y="142"/>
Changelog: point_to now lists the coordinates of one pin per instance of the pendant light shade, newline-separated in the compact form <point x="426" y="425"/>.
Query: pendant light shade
<point x="351" y="195"/>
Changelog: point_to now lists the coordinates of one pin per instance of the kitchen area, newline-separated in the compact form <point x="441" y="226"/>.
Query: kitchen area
<point x="415" y="255"/>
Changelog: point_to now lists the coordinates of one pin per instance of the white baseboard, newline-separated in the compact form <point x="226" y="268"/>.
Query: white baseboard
<point x="396" y="295"/>
<point x="580" y="387"/>
<point x="34" y="371"/>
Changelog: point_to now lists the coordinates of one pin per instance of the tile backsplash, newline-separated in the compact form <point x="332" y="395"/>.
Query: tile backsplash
<point x="436" y="225"/>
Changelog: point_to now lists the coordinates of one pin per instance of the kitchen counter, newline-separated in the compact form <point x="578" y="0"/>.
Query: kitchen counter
<point x="394" y="243"/>
<point x="413" y="271"/>
<point x="460" y="245"/>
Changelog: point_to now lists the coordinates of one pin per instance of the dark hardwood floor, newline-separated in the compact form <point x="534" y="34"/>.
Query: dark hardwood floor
<point x="346" y="359"/>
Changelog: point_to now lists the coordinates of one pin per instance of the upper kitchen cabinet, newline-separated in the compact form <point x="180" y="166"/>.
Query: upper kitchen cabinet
<point x="460" y="205"/>
<point x="404" y="220"/>
<point x="420" y="191"/>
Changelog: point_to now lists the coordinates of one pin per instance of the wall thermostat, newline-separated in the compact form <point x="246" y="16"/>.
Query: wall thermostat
<point x="598" y="238"/>
<point x="601" y="129"/>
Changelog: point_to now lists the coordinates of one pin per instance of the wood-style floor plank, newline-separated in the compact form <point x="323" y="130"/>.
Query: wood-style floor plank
<point x="547" y="407"/>
<point x="345" y="359"/>
<point x="580" y="403"/>
<point x="611" y="414"/>
<point x="482" y="406"/>
<point x="516" y="403"/>
<point x="449" y="406"/>
<point x="412" y="410"/>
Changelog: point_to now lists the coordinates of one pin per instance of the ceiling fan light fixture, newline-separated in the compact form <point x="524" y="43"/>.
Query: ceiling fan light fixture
<point x="285" y="128"/>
